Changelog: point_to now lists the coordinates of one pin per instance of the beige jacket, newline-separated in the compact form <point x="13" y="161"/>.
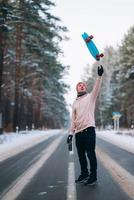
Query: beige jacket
<point x="83" y="109"/>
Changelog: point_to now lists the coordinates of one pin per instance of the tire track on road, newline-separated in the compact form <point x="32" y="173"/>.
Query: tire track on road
<point x="15" y="189"/>
<point x="124" y="179"/>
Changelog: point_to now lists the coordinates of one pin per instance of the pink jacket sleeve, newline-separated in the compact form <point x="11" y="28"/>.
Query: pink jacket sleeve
<point x="96" y="88"/>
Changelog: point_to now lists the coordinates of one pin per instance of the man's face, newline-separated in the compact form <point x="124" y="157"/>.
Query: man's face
<point x="81" y="87"/>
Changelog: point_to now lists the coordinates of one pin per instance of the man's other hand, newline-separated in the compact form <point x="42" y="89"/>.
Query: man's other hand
<point x="69" y="138"/>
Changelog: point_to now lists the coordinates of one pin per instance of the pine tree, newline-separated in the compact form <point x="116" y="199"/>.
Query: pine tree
<point x="37" y="34"/>
<point x="4" y="11"/>
<point x="127" y="78"/>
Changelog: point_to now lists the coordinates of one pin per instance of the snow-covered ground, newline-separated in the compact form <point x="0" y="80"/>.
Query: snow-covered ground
<point x="124" y="139"/>
<point x="13" y="143"/>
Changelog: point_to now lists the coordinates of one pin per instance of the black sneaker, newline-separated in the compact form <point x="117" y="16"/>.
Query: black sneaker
<point x="82" y="179"/>
<point x="91" y="181"/>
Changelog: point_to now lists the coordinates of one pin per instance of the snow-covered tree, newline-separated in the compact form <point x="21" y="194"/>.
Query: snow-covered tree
<point x="127" y="78"/>
<point x="32" y="63"/>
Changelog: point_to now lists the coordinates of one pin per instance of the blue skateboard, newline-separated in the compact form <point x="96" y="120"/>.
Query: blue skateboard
<point x="91" y="46"/>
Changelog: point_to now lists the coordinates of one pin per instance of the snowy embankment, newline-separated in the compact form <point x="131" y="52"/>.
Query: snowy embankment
<point x="13" y="143"/>
<point x="123" y="138"/>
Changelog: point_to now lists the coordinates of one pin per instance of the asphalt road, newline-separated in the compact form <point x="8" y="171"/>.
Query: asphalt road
<point x="47" y="171"/>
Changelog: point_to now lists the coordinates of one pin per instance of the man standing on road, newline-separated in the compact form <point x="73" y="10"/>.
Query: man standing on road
<point x="83" y="126"/>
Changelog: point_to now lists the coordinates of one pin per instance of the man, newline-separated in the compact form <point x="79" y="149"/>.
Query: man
<point x="83" y="126"/>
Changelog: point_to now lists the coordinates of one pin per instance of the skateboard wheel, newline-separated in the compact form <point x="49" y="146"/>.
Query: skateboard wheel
<point x="87" y="40"/>
<point x="91" y="37"/>
<point x="101" y="55"/>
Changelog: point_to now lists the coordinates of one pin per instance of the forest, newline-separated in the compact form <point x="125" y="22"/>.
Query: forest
<point x="31" y="76"/>
<point x="117" y="92"/>
<point x="32" y="86"/>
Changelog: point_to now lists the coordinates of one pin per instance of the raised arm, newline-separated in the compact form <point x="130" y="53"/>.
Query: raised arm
<point x="97" y="84"/>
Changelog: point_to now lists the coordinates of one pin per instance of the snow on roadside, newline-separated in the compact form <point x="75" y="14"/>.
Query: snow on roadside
<point x="13" y="143"/>
<point x="123" y="139"/>
<point x="23" y="136"/>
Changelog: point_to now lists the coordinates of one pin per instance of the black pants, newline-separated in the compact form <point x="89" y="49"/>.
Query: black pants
<point x="85" y="143"/>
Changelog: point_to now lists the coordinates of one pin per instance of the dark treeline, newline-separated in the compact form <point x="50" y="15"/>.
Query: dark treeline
<point x="117" y="92"/>
<point x="31" y="77"/>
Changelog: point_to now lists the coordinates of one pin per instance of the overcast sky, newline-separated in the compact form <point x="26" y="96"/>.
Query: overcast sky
<point x="106" y="20"/>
